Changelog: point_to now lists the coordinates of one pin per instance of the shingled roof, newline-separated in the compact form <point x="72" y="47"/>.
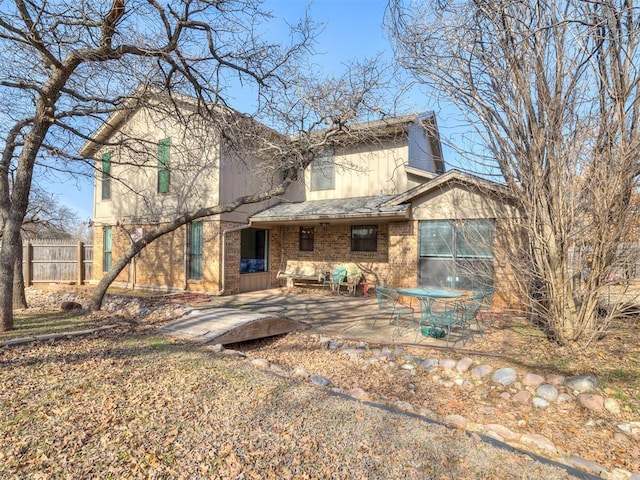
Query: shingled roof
<point x="334" y="209"/>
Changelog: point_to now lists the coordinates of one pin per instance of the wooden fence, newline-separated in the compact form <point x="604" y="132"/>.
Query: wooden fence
<point x="46" y="261"/>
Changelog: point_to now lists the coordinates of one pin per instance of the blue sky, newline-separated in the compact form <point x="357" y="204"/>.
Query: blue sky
<point x="352" y="29"/>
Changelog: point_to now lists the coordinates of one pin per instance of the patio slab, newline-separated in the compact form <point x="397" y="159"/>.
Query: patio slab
<point x="338" y="316"/>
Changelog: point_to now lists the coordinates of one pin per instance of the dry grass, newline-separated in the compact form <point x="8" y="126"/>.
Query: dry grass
<point x="130" y="405"/>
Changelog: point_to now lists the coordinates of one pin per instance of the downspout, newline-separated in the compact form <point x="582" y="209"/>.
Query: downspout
<point x="185" y="259"/>
<point x="224" y="254"/>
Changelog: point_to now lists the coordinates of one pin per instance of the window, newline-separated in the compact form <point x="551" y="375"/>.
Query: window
<point x="456" y="254"/>
<point x="164" y="175"/>
<point x="323" y="172"/>
<point x="106" y="176"/>
<point x="106" y="248"/>
<point x="364" y="238"/>
<point x="195" y="251"/>
<point x="306" y="239"/>
<point x="253" y="250"/>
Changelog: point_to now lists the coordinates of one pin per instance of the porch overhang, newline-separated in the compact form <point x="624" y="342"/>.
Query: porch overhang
<point x="359" y="210"/>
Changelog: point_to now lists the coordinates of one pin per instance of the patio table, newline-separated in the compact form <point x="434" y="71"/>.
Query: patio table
<point x="431" y="292"/>
<point x="427" y="296"/>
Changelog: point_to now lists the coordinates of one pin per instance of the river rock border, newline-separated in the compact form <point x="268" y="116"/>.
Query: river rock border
<point x="530" y="388"/>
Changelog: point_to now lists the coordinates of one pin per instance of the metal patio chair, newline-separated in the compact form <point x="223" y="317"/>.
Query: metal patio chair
<point x="388" y="305"/>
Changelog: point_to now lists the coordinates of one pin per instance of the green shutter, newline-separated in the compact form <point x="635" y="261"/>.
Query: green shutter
<point x="163" y="165"/>
<point x="106" y="176"/>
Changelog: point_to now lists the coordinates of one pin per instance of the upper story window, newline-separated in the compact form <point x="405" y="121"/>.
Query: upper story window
<point x="364" y="238"/>
<point x="323" y="171"/>
<point x="306" y="239"/>
<point x="164" y="174"/>
<point x="106" y="176"/>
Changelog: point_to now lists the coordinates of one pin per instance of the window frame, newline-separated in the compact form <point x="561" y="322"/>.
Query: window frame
<point x="195" y="264"/>
<point x="107" y="248"/>
<point x="164" y="171"/>
<point x="106" y="176"/>
<point x="254" y="250"/>
<point x="306" y="237"/>
<point x="323" y="172"/>
<point x="359" y="244"/>
<point x="459" y="266"/>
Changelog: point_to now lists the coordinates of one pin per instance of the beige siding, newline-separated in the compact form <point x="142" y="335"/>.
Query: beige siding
<point x="366" y="171"/>
<point x="193" y="165"/>
<point x="457" y="201"/>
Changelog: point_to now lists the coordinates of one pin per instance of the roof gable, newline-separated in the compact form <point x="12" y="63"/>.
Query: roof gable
<point x="451" y="177"/>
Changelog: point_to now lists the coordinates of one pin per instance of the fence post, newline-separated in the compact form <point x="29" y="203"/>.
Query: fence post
<point x="26" y="260"/>
<point x="80" y="263"/>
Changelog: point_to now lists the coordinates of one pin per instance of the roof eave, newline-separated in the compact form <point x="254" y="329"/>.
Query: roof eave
<point x="298" y="219"/>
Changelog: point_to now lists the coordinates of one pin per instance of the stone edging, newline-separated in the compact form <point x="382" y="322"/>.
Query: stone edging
<point x="546" y="389"/>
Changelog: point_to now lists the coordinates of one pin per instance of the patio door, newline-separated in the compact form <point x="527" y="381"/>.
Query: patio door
<point x="456" y="253"/>
<point x="254" y="265"/>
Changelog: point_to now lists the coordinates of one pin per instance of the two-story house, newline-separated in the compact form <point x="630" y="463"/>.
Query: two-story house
<point x="386" y="205"/>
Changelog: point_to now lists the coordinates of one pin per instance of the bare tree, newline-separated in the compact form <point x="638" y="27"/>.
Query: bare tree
<point x="68" y="65"/>
<point x="551" y="91"/>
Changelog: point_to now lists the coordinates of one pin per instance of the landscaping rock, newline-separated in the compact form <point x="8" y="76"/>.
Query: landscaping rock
<point x="359" y="394"/>
<point x="457" y="421"/>
<point x="260" y="363"/>
<point x="555" y="380"/>
<point x="320" y="380"/>
<point x="522" y="397"/>
<point x="582" y="383"/>
<point x="233" y="353"/>
<point x="547" y="392"/>
<point x="501" y="430"/>
<point x="586" y="465"/>
<point x="278" y="370"/>
<point x="404" y="406"/>
<point x="564" y="398"/>
<point x="540" y="402"/>
<point x="448" y="363"/>
<point x="617" y="474"/>
<point x="481" y="371"/>
<point x="612" y="406"/>
<point x="532" y="380"/>
<point x="300" y="372"/>
<point x="591" y="402"/>
<point x="505" y="376"/>
<point x="429" y="364"/>
<point x="538" y="441"/>
<point x="464" y="364"/>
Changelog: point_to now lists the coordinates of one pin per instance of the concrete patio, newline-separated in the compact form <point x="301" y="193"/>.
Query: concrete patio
<point x="338" y="316"/>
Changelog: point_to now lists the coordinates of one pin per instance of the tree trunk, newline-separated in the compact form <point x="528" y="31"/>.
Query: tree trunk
<point x="8" y="259"/>
<point x="19" y="297"/>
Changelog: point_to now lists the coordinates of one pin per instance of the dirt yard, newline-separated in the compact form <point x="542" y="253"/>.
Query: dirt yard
<point x="128" y="403"/>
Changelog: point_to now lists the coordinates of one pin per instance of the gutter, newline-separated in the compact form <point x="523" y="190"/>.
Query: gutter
<point x="224" y="255"/>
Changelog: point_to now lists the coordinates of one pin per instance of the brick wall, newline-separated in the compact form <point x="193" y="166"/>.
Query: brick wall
<point x="162" y="263"/>
<point x="332" y="247"/>
<point x="403" y="254"/>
